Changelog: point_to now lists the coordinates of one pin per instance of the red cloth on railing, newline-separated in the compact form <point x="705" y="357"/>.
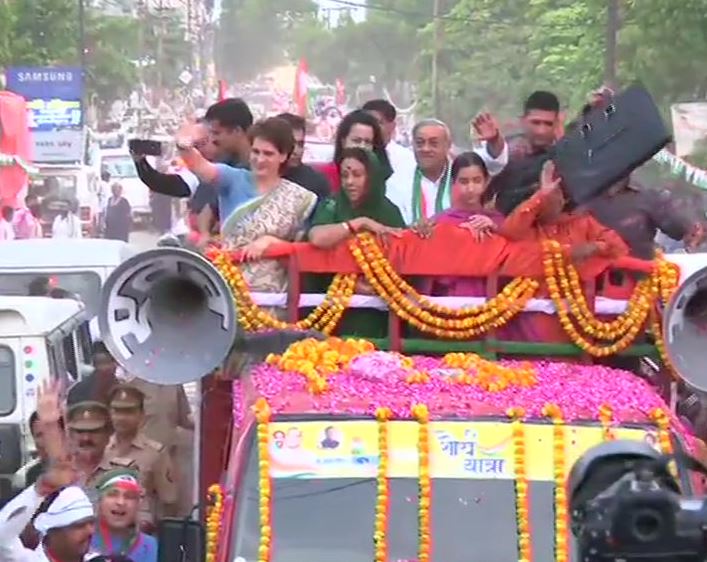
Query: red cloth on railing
<point x="450" y="251"/>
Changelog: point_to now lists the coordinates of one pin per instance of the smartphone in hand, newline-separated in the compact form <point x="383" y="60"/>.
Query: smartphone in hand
<point x="142" y="147"/>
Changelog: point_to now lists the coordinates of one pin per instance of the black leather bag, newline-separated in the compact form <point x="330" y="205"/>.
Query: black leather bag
<point x="608" y="142"/>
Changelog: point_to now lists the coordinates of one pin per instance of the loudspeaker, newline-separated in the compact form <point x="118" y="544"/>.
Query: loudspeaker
<point x="685" y="330"/>
<point x="180" y="540"/>
<point x="167" y="316"/>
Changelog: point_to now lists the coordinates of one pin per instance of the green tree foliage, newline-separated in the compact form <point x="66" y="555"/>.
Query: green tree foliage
<point x="254" y="35"/>
<point x="46" y="32"/>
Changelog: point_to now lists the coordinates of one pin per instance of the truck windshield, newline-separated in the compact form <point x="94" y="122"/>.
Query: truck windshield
<point x="85" y="284"/>
<point x="320" y="520"/>
<point x="121" y="167"/>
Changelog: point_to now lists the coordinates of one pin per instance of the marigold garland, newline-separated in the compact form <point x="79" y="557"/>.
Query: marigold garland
<point x="626" y="334"/>
<point x="606" y="418"/>
<point x="317" y="359"/>
<point x="662" y="420"/>
<point x="214" y="520"/>
<point x="495" y="313"/>
<point x="262" y="416"/>
<point x="525" y="549"/>
<point x="422" y="415"/>
<point x="554" y="412"/>
<point x="380" y="542"/>
<point x="489" y="375"/>
<point x="325" y="317"/>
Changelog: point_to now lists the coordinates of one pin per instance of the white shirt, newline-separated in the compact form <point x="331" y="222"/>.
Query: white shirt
<point x="7" y="232"/>
<point x="399" y="188"/>
<point x="67" y="227"/>
<point x="14" y="517"/>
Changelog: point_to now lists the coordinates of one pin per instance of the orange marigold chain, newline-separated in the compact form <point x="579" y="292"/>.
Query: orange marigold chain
<point x="214" y="520"/>
<point x="569" y="282"/>
<point x="416" y="304"/>
<point x="522" y="484"/>
<point x="324" y="317"/>
<point x="560" y="475"/>
<point x="662" y="420"/>
<point x="625" y="340"/>
<point x="606" y="418"/>
<point x="424" y="551"/>
<point x="443" y="328"/>
<point x="424" y="303"/>
<point x="380" y="538"/>
<point x="262" y="416"/>
<point x="489" y="375"/>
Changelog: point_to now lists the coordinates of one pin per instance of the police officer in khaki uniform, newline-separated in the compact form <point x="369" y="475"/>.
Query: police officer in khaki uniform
<point x="89" y="431"/>
<point x="128" y="447"/>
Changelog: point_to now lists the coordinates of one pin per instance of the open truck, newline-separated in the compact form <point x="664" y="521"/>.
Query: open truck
<point x="445" y="440"/>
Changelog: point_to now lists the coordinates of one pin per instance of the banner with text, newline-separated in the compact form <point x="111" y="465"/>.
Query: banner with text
<point x="53" y="96"/>
<point x="464" y="449"/>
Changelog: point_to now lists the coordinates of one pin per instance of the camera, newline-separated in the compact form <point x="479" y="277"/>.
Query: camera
<point x="626" y="504"/>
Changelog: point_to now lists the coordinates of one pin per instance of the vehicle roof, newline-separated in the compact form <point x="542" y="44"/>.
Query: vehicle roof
<point x="35" y="316"/>
<point x="47" y="254"/>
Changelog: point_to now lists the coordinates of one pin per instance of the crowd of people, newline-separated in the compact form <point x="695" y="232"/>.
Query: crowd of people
<point x="107" y="470"/>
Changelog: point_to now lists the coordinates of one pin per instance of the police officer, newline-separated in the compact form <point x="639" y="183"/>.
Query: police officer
<point x="130" y="448"/>
<point x="89" y="432"/>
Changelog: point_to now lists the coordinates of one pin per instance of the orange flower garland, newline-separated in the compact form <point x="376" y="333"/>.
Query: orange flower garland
<point x="317" y="359"/>
<point x="422" y="415"/>
<point x="489" y="375"/>
<point x="560" y="474"/>
<point x="214" y="520"/>
<point x="498" y="311"/>
<point x="626" y="334"/>
<point x="570" y="283"/>
<point x="375" y="255"/>
<point x="525" y="549"/>
<point x="382" y="487"/>
<point x="606" y="417"/>
<point x="662" y="420"/>
<point x="324" y="317"/>
<point x="262" y="416"/>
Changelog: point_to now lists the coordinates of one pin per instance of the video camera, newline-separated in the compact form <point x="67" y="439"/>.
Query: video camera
<point x="626" y="505"/>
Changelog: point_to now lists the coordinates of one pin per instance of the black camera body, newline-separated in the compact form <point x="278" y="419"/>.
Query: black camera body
<point x="627" y="506"/>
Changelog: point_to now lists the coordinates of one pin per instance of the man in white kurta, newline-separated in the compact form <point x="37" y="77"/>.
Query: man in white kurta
<point x="66" y="526"/>
<point x="426" y="190"/>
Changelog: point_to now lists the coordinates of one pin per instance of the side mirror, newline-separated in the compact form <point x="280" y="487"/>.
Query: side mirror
<point x="181" y="540"/>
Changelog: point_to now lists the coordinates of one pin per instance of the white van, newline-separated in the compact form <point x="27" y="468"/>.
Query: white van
<point x="121" y="167"/>
<point x="79" y="265"/>
<point x="40" y="339"/>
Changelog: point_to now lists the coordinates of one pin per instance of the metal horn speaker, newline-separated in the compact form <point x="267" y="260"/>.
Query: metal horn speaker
<point x="685" y="330"/>
<point x="167" y="316"/>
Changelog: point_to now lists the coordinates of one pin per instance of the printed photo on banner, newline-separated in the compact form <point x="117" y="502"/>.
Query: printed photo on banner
<point x="458" y="449"/>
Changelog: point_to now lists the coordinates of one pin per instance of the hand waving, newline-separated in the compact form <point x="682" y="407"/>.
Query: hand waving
<point x="485" y="127"/>
<point x="49" y="402"/>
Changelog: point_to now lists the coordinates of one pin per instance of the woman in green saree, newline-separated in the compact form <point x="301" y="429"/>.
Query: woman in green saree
<point x="360" y="206"/>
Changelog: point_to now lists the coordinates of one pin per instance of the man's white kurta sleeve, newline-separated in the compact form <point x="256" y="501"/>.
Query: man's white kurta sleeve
<point x="14" y="517"/>
<point x="494" y="165"/>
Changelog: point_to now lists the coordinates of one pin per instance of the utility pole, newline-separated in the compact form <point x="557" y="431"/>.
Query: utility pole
<point x="82" y="56"/>
<point x="435" y="56"/>
<point x="613" y="23"/>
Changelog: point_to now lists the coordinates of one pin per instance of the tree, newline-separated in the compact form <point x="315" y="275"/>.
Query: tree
<point x="253" y="34"/>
